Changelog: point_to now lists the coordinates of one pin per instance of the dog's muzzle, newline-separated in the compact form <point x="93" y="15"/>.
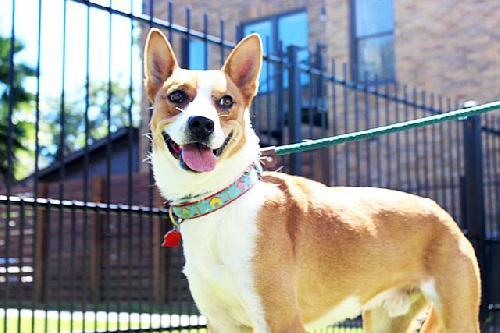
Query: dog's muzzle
<point x="195" y="156"/>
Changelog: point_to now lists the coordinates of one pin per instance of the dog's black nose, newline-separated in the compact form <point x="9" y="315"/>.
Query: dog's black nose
<point x="200" y="127"/>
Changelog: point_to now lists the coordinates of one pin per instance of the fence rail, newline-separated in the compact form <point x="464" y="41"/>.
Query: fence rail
<point x="80" y="219"/>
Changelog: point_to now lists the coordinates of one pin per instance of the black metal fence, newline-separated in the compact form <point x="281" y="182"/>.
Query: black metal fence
<point x="88" y="258"/>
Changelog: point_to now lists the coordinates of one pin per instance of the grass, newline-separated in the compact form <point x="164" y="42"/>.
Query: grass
<point x="51" y="322"/>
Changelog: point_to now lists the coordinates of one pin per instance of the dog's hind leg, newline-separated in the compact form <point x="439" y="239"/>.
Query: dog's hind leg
<point x="432" y="323"/>
<point x="454" y="287"/>
<point x="455" y="306"/>
<point x="379" y="320"/>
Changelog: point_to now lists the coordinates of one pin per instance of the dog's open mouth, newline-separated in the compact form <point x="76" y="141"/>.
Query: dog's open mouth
<point x="196" y="156"/>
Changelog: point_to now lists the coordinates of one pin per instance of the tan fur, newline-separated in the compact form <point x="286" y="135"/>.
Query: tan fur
<point x="317" y="245"/>
<point x="320" y="245"/>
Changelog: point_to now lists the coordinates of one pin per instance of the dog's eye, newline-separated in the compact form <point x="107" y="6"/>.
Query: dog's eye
<point x="177" y="97"/>
<point x="226" y="102"/>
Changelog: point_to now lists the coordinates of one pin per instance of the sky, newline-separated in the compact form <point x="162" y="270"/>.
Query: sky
<point x="119" y="61"/>
<point x="51" y="50"/>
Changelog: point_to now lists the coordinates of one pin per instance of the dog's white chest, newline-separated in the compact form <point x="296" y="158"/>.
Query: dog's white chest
<point x="219" y="249"/>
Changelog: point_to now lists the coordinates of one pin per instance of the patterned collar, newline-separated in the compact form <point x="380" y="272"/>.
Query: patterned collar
<point x="218" y="200"/>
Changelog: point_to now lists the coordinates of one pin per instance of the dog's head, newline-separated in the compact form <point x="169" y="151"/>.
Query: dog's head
<point x="200" y="126"/>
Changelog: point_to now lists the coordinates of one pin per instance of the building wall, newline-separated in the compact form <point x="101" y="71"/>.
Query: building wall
<point x="448" y="47"/>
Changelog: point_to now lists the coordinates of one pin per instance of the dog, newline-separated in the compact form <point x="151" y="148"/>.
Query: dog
<point x="270" y="252"/>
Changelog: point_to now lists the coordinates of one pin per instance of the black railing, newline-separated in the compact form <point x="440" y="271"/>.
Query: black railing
<point x="80" y="219"/>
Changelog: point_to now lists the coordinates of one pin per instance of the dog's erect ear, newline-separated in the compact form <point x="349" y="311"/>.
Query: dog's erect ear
<point x="243" y="65"/>
<point x="159" y="62"/>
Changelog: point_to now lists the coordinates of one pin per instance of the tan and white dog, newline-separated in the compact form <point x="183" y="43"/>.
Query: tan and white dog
<point x="291" y="254"/>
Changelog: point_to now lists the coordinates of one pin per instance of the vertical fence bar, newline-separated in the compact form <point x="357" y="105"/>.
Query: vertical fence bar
<point x="62" y="169"/>
<point x="205" y="41"/>
<point x="40" y="251"/>
<point x="107" y="286"/>
<point x="310" y="109"/>
<point x="323" y="111"/>
<point x="72" y="238"/>
<point x="221" y="46"/>
<point x="367" y="125"/>
<point x="280" y="118"/>
<point x="444" y="182"/>
<point x="377" y="124"/>
<point x="334" y="123"/>
<point x="48" y="265"/>
<point x="130" y="167"/>
<point x="37" y="264"/>
<point x="8" y="176"/>
<point x="388" y="160"/>
<point x="356" y="128"/>
<point x="416" y="150"/>
<point x="86" y="162"/>
<point x="434" y="157"/>
<point x="398" y="138"/>
<point x="294" y="107"/>
<point x="20" y="255"/>
<point x="407" y="139"/>
<point x="269" y="81"/>
<point x="453" y="184"/>
<point x="346" y="124"/>
<point x="170" y="20"/>
<point x="426" y="148"/>
<point x="474" y="198"/>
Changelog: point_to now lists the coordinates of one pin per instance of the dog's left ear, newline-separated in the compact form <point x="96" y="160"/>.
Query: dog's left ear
<point x="243" y="65"/>
<point x="159" y="62"/>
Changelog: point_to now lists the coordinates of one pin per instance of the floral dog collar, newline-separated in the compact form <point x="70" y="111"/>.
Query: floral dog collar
<point x="209" y="204"/>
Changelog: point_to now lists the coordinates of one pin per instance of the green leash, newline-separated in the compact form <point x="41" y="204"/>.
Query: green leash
<point x="382" y="130"/>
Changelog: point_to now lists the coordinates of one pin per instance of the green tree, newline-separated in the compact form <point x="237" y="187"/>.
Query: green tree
<point x="74" y="118"/>
<point x="22" y="100"/>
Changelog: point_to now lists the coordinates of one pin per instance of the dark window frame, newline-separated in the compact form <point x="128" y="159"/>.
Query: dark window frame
<point x="274" y="19"/>
<point x="274" y="23"/>
<point x="354" y="41"/>
<point x="186" y="52"/>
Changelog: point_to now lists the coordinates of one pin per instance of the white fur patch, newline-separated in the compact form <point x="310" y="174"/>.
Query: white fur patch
<point x="202" y="105"/>
<point x="219" y="249"/>
<point x="396" y="302"/>
<point x="428" y="288"/>
<point x="347" y="309"/>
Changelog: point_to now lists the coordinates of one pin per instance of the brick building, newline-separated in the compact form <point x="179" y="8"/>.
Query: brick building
<point x="448" y="47"/>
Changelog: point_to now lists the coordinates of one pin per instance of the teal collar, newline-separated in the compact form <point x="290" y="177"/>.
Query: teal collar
<point x="218" y="200"/>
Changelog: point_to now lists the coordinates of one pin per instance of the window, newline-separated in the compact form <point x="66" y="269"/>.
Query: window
<point x="285" y="30"/>
<point x="373" y="39"/>
<point x="195" y="56"/>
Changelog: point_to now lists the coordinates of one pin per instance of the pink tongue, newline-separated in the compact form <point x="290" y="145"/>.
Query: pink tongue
<point x="198" y="158"/>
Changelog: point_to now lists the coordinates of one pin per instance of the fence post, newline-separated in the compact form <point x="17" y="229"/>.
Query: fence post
<point x="294" y="107"/>
<point x="321" y="108"/>
<point x="95" y="242"/>
<point x="40" y="255"/>
<point x="474" y="199"/>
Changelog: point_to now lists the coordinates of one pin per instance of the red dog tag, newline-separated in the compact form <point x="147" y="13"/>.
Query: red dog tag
<point x="172" y="238"/>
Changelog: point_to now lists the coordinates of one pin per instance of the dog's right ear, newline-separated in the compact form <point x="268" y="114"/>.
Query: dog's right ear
<point x="159" y="62"/>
